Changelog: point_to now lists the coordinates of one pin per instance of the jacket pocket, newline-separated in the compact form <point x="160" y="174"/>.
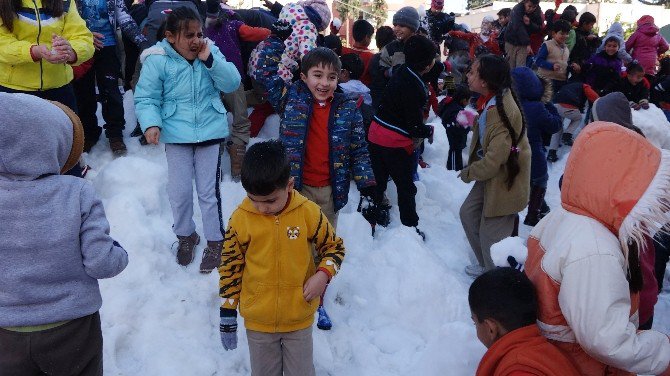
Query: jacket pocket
<point x="293" y="307"/>
<point x="168" y="109"/>
<point x="6" y="74"/>
<point x="260" y="304"/>
<point x="218" y="105"/>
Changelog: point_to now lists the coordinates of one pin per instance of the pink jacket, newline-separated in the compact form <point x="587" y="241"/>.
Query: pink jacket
<point x="646" y="44"/>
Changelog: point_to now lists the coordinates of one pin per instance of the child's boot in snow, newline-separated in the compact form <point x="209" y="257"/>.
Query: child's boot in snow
<point x="567" y="139"/>
<point x="545" y="209"/>
<point x="236" y="157"/>
<point x="185" y="252"/>
<point x="534" y="205"/>
<point x="211" y="257"/>
<point x="323" y="322"/>
<point x="552" y="156"/>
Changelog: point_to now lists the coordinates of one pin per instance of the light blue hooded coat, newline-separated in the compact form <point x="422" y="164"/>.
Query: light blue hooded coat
<point x="616" y="30"/>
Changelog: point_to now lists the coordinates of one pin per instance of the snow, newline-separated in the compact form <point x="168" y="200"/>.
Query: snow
<point x="513" y="246"/>
<point x="399" y="305"/>
<point x="654" y="125"/>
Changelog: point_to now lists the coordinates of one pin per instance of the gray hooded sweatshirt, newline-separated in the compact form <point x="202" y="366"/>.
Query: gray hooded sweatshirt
<point x="54" y="236"/>
<point x="614" y="108"/>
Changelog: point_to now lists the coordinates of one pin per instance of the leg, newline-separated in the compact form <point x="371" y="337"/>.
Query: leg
<point x="236" y="102"/>
<point x="84" y="89"/>
<point x="107" y="68"/>
<point x="15" y="359"/>
<point x="493" y="230"/>
<point x="265" y="353"/>
<point x="401" y="174"/>
<point x="132" y="54"/>
<point x="379" y="169"/>
<point x="471" y="213"/>
<point x="180" y="161"/>
<point x="521" y="56"/>
<point x="207" y="165"/>
<point x="298" y="353"/>
<point x="575" y="118"/>
<point x="511" y="50"/>
<point x="322" y="196"/>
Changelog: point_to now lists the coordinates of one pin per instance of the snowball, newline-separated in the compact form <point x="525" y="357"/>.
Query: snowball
<point x="512" y="246"/>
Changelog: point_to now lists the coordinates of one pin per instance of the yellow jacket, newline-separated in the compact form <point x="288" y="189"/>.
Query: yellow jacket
<point x="267" y="259"/>
<point x="35" y="26"/>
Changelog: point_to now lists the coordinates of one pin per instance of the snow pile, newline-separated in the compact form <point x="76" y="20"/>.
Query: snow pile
<point x="513" y="246"/>
<point x="654" y="125"/>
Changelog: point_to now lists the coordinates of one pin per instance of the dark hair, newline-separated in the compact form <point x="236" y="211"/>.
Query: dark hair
<point x="320" y="56"/>
<point x="334" y="43"/>
<point x="9" y="9"/>
<point x="561" y="25"/>
<point x="177" y="20"/>
<point x="384" y="36"/>
<point x="362" y="29"/>
<point x="495" y="71"/>
<point x="534" y="2"/>
<point x="634" y="67"/>
<point x="419" y="52"/>
<point x="664" y="67"/>
<point x="569" y="15"/>
<point x="461" y="92"/>
<point x="505" y="295"/>
<point x="571" y="8"/>
<point x="265" y="168"/>
<point x="612" y="39"/>
<point x="353" y="64"/>
<point x="505" y="12"/>
<point x="587" y="18"/>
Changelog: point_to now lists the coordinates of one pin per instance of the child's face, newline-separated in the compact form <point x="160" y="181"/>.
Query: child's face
<point x="588" y="26"/>
<point x="402" y="32"/>
<point x="475" y="82"/>
<point x="503" y="20"/>
<point x="273" y="203"/>
<point x="321" y="81"/>
<point x="344" y="76"/>
<point x="529" y="7"/>
<point x="188" y="41"/>
<point x="635" y="78"/>
<point x="561" y="37"/>
<point x="440" y="85"/>
<point x="611" y="48"/>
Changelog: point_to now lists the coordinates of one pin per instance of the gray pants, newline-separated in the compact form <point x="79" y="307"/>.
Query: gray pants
<point x="236" y="102"/>
<point x="575" y="118"/>
<point x="274" y="354"/>
<point x="516" y="55"/>
<point x="482" y="232"/>
<point x="185" y="163"/>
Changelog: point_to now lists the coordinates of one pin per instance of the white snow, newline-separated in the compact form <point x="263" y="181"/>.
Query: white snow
<point x="399" y="305"/>
<point x="513" y="246"/>
<point x="654" y="125"/>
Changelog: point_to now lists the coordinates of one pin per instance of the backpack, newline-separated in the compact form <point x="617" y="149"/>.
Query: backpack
<point x="157" y="13"/>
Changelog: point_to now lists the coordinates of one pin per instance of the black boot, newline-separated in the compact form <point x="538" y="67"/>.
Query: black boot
<point x="552" y="156"/>
<point x="567" y="139"/>
<point x="534" y="205"/>
<point x="545" y="209"/>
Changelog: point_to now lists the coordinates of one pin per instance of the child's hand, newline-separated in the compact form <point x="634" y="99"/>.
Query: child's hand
<point x="557" y="67"/>
<point x="152" y="135"/>
<point x="39" y="52"/>
<point x="204" y="51"/>
<point x="575" y="67"/>
<point x="63" y="49"/>
<point x="228" y="331"/>
<point x="315" y="286"/>
<point x="98" y="41"/>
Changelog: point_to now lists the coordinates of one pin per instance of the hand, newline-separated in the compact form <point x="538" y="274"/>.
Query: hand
<point x="575" y="67"/>
<point x="228" y="331"/>
<point x="53" y="57"/>
<point x="268" y="4"/>
<point x="204" y="51"/>
<point x="63" y="47"/>
<point x="39" y="52"/>
<point x="98" y="41"/>
<point x="635" y="106"/>
<point x="644" y="105"/>
<point x="591" y="37"/>
<point x="315" y="286"/>
<point x="526" y="20"/>
<point x="557" y="67"/>
<point x="529" y="50"/>
<point x="152" y="135"/>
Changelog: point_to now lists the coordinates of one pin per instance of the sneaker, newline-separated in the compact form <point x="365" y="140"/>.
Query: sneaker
<point x="567" y="139"/>
<point x="474" y="270"/>
<point x="118" y="147"/>
<point x="421" y="233"/>
<point x="323" y="322"/>
<point x="552" y="156"/>
<point x="185" y="252"/>
<point x="236" y="157"/>
<point x="211" y="257"/>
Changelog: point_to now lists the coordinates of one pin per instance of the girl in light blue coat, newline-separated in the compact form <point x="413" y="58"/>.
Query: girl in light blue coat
<point x="178" y="102"/>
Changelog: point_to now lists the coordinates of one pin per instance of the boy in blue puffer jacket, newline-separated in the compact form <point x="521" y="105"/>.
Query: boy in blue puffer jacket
<point x="177" y="100"/>
<point x="542" y="117"/>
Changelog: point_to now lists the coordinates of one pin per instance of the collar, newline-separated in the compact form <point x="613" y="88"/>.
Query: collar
<point x="356" y="47"/>
<point x="483" y="102"/>
<point x="416" y="76"/>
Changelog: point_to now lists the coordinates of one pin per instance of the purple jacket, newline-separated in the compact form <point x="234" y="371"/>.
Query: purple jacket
<point x="646" y="44"/>
<point x="226" y="36"/>
<point x="603" y="72"/>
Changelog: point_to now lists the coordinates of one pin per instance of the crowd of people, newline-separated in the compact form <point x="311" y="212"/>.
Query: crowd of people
<point x="579" y="304"/>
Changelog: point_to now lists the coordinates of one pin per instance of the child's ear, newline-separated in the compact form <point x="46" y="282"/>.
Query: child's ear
<point x="303" y="77"/>
<point x="291" y="182"/>
<point x="170" y="37"/>
<point x="493" y="330"/>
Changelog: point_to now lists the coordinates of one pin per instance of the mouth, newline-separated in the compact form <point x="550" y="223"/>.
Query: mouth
<point x="323" y="91"/>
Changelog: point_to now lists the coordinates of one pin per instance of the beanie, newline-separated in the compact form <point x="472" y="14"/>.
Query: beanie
<point x="407" y="16"/>
<point x="419" y="50"/>
<point x="318" y="13"/>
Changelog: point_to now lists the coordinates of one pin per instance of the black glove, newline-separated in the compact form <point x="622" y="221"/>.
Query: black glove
<point x="282" y="29"/>
<point x="369" y="192"/>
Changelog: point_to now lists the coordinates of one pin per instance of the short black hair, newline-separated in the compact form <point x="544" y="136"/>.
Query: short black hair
<point x="505" y="295"/>
<point x="362" y="29"/>
<point x="384" y="36"/>
<point x="634" y="67"/>
<point x="571" y="8"/>
<point x="561" y="25"/>
<point x="534" y="2"/>
<point x="505" y="12"/>
<point x="587" y="18"/>
<point x="569" y="15"/>
<point x="265" y="168"/>
<point x="334" y="43"/>
<point x="419" y="52"/>
<point x="320" y="56"/>
<point x="612" y="39"/>
<point x="353" y="64"/>
<point x="461" y="92"/>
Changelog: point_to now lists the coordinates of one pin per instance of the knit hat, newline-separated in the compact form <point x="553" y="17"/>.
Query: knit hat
<point x="437" y="4"/>
<point x="614" y="108"/>
<point x="407" y="16"/>
<point x="419" y="50"/>
<point x="318" y="13"/>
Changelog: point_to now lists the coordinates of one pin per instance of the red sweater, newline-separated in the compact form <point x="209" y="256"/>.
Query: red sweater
<point x="316" y="171"/>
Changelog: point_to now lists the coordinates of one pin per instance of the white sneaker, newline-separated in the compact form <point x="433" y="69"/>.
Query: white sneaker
<point x="474" y="270"/>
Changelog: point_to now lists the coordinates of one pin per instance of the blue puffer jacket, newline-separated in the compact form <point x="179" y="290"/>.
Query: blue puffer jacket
<point x="348" y="148"/>
<point x="540" y="117"/>
<point x="184" y="99"/>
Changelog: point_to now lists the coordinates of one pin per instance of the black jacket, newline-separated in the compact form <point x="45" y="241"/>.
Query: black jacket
<point x="660" y="91"/>
<point x="583" y="49"/>
<point x="518" y="33"/>
<point x="633" y="93"/>
<point x="572" y="93"/>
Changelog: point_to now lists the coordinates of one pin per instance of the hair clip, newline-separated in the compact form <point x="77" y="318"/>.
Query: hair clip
<point x="514" y="149"/>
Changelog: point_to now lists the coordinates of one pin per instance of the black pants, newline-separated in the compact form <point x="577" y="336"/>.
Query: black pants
<point x="74" y="348"/>
<point x="132" y="54"/>
<point x="399" y="165"/>
<point x="458" y="139"/>
<point x="105" y="72"/>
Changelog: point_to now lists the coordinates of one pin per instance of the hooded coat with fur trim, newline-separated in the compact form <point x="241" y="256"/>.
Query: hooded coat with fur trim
<point x="646" y="44"/>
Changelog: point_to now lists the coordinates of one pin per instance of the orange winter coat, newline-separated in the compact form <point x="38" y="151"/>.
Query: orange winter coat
<point x="524" y="352"/>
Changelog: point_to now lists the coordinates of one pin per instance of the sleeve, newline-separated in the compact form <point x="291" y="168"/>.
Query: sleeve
<point x="590" y="94"/>
<point x="231" y="268"/>
<point x="632" y="40"/>
<point x="470" y="37"/>
<point x="361" y="165"/>
<point x="595" y="300"/>
<point x="225" y="74"/>
<point x="623" y="55"/>
<point x="101" y="255"/>
<point x="662" y="45"/>
<point x="149" y="94"/>
<point x="128" y="25"/>
<point x="274" y="84"/>
<point x="572" y="39"/>
<point x="541" y="58"/>
<point x="385" y="60"/>
<point x="276" y="9"/>
<point x="550" y="121"/>
<point x="13" y="50"/>
<point x="496" y="155"/>
<point x="253" y="34"/>
<point x="78" y="35"/>
<point x="328" y="245"/>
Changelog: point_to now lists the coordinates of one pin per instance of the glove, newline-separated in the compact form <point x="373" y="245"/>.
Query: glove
<point x="228" y="329"/>
<point x="282" y="29"/>
<point x="635" y="106"/>
<point x="368" y="192"/>
<point x="514" y="264"/>
<point x="644" y="104"/>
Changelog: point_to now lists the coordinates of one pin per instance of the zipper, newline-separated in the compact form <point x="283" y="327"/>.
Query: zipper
<point x="39" y="33"/>
<point x="278" y="272"/>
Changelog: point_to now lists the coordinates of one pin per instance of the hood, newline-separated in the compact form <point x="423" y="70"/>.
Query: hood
<point x="648" y="29"/>
<point x="615" y="29"/>
<point x="354" y="86"/>
<point x="644" y="20"/>
<point x="614" y="108"/>
<point x="37" y="137"/>
<point x="292" y="13"/>
<point x="526" y="84"/>
<point x="296" y="200"/>
<point x="620" y="179"/>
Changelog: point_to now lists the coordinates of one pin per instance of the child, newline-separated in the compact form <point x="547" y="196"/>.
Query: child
<point x="616" y="31"/>
<point x="646" y="44"/>
<point x="362" y="32"/>
<point x="55" y="247"/>
<point x="484" y="42"/>
<point x="613" y="196"/>
<point x="542" y="118"/>
<point x="525" y="20"/>
<point x="552" y="58"/>
<point x="499" y="162"/>
<point x="660" y="93"/>
<point x="586" y="43"/>
<point x="634" y="86"/>
<point x="504" y="309"/>
<point x="273" y="278"/>
<point x="177" y="102"/>
<point x="383" y="37"/>
<point x="457" y="133"/>
<point x="334" y="43"/>
<point x="603" y="69"/>
<point x="400" y="118"/>
<point x="350" y="83"/>
<point x="405" y="24"/>
<point x="569" y="102"/>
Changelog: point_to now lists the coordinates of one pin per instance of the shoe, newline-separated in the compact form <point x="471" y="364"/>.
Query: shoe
<point x="544" y="209"/>
<point x="474" y="270"/>
<point x="323" y="322"/>
<point x="567" y="139"/>
<point x="236" y="157"/>
<point x="185" y="252"/>
<point x="211" y="257"/>
<point x="421" y="233"/>
<point x="118" y="147"/>
<point x="534" y="205"/>
<point x="137" y="132"/>
<point x="422" y="163"/>
<point x="552" y="156"/>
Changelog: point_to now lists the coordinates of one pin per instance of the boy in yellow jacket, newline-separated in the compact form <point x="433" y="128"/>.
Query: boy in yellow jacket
<point x="268" y="269"/>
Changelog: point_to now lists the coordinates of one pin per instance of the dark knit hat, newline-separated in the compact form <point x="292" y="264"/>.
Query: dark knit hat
<point x="407" y="16"/>
<point x="419" y="50"/>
